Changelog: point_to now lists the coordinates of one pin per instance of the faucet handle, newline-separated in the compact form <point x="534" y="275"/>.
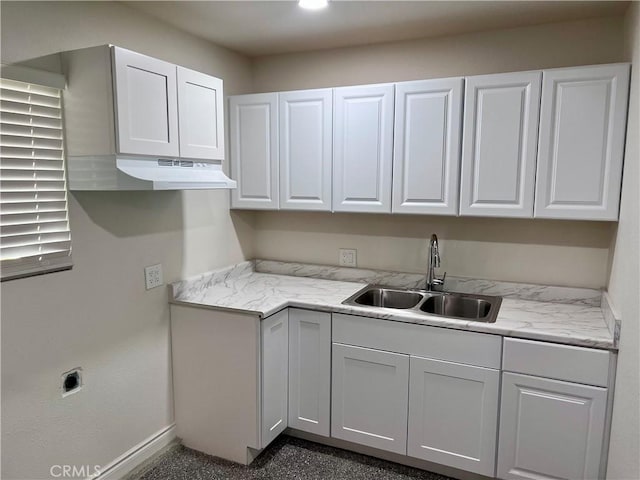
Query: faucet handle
<point x="440" y="281"/>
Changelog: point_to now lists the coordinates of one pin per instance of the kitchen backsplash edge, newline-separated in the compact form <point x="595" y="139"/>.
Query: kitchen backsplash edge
<point x="542" y="293"/>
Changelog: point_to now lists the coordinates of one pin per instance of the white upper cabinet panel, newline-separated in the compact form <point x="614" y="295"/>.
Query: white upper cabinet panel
<point x="146" y="104"/>
<point x="305" y="149"/>
<point x="582" y="133"/>
<point x="499" y="144"/>
<point x="426" y="155"/>
<point x="363" y="148"/>
<point x="253" y="124"/>
<point x="200" y="114"/>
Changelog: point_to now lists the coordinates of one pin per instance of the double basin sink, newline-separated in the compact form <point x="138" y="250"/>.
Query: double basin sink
<point x="479" y="308"/>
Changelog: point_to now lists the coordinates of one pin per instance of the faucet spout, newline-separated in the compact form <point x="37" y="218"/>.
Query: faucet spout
<point x="432" y="281"/>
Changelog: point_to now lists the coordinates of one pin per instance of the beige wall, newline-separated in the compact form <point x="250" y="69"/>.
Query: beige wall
<point x="624" y="283"/>
<point x="550" y="252"/>
<point x="98" y="316"/>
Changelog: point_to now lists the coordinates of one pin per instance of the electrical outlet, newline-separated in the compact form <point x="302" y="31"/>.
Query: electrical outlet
<point x="153" y="276"/>
<point x="347" y="257"/>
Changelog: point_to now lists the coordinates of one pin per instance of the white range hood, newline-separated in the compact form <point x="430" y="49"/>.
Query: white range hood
<point x="109" y="172"/>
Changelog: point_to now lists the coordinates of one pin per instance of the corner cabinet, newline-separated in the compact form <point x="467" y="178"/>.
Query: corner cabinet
<point x="363" y="148"/>
<point x="499" y="144"/>
<point x="253" y="122"/>
<point x="426" y="156"/>
<point x="582" y="132"/>
<point x="305" y="132"/>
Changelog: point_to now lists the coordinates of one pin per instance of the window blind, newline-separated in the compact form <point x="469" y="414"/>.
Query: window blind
<point x="34" y="223"/>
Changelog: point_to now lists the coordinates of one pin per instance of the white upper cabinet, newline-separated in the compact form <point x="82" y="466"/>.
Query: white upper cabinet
<point x="200" y="115"/>
<point x="363" y="148"/>
<point x="253" y="123"/>
<point x="582" y="131"/>
<point x="426" y="154"/>
<point x="499" y="144"/>
<point x="146" y="104"/>
<point x="305" y="149"/>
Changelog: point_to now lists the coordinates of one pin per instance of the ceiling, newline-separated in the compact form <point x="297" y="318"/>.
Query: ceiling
<point x="257" y="28"/>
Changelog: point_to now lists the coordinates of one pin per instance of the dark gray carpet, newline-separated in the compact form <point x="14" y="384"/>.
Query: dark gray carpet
<point x="286" y="458"/>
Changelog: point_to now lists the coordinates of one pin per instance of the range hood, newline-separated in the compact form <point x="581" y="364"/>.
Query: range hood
<point x="110" y="172"/>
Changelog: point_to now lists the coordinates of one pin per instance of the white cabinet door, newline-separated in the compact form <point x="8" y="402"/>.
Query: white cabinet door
<point x="274" y="373"/>
<point x="426" y="156"/>
<point x="306" y="119"/>
<point x="582" y="131"/>
<point x="146" y="104"/>
<point x="310" y="371"/>
<point x="499" y="144"/>
<point x="550" y="429"/>
<point x="453" y="414"/>
<point x="253" y="125"/>
<point x="200" y="114"/>
<point x="362" y="148"/>
<point x="369" y="397"/>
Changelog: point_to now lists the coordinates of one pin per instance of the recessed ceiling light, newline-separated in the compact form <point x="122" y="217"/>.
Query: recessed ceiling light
<point x="313" y="4"/>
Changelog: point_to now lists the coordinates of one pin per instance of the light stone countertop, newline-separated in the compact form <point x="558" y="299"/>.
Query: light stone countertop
<point x="241" y="289"/>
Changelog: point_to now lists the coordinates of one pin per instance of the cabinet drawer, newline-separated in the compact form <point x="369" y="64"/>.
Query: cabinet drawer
<point x="562" y="362"/>
<point x="434" y="342"/>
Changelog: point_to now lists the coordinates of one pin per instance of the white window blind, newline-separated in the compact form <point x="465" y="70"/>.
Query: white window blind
<point x="34" y="223"/>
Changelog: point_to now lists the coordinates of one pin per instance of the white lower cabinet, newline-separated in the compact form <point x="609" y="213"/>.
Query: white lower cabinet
<point x="550" y="429"/>
<point x="274" y="333"/>
<point x="310" y="371"/>
<point x="369" y="397"/>
<point x="453" y="414"/>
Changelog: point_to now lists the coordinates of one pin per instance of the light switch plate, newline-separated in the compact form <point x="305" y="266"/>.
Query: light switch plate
<point x="153" y="276"/>
<point x="348" y="257"/>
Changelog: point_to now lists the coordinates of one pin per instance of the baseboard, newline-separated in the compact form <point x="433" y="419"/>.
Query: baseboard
<point x="134" y="457"/>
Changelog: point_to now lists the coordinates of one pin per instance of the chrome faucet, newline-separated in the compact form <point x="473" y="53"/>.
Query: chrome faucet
<point x="432" y="281"/>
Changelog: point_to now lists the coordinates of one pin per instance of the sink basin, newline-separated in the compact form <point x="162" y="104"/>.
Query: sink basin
<point x="388" y="298"/>
<point x="461" y="306"/>
<point x="449" y="305"/>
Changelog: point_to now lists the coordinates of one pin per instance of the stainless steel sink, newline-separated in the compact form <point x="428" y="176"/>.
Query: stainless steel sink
<point x="457" y="306"/>
<point x="388" y="298"/>
<point x="462" y="306"/>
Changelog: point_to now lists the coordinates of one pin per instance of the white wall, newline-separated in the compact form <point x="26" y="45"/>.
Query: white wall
<point x="551" y="252"/>
<point x="98" y="315"/>
<point x="624" y="283"/>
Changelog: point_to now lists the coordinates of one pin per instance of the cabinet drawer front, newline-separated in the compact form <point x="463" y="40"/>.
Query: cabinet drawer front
<point x="370" y="397"/>
<point x="434" y="342"/>
<point x="562" y="362"/>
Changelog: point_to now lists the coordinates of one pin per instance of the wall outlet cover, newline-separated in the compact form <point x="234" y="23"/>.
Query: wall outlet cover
<point x="348" y="257"/>
<point x="153" y="276"/>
